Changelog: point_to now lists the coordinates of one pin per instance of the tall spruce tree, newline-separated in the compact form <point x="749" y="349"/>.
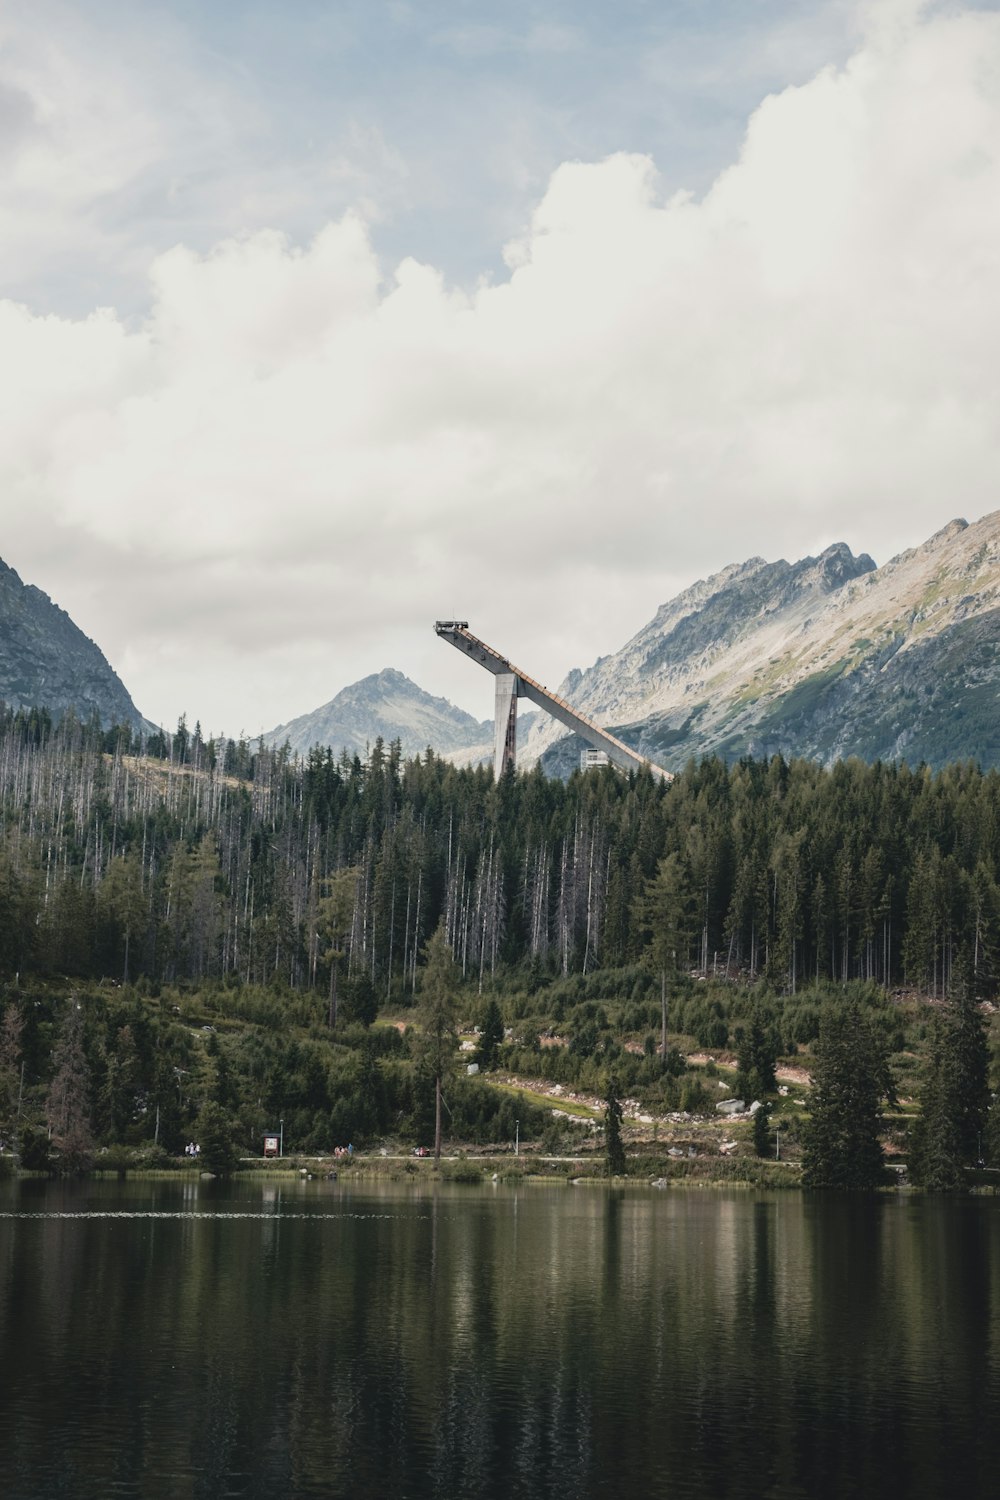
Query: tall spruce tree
<point x="215" y="1138"/>
<point x="68" y="1101"/>
<point x="947" y="1135"/>
<point x="762" y="1130"/>
<point x="850" y="1080"/>
<point x="440" y="1035"/>
<point x="661" y="925"/>
<point x="972" y="1063"/>
<point x="614" y="1146"/>
<point x="757" y="1056"/>
<point x="490" y="1036"/>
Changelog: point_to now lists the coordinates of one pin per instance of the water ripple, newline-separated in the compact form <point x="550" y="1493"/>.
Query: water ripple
<point x="122" y="1213"/>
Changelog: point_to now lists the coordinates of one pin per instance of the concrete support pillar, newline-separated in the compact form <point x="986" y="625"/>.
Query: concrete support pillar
<point x="505" y="724"/>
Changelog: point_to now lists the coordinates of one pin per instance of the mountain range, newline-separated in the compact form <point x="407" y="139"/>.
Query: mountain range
<point x="826" y="657"/>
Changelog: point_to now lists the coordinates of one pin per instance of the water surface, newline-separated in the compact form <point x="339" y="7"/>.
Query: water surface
<point x="181" y="1339"/>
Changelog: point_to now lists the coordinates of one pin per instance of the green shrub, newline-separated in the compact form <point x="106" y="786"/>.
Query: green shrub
<point x="695" y="1098"/>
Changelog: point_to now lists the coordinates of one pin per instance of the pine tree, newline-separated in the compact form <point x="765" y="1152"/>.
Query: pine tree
<point x="762" y="1130"/>
<point x="333" y="919"/>
<point x="614" y="1146"/>
<point x="438" y="984"/>
<point x="371" y="1091"/>
<point x="850" y="1080"/>
<point x="123" y="912"/>
<point x="947" y="1136"/>
<point x="215" y="1137"/>
<point x="68" y="1103"/>
<point x="972" y="1064"/>
<point x="491" y="1035"/>
<point x="660" y="920"/>
<point x="757" y="1056"/>
<point x="119" y="1093"/>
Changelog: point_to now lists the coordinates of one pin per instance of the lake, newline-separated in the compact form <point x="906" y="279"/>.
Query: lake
<point x="189" y="1339"/>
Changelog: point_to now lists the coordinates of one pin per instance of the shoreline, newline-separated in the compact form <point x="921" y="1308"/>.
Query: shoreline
<point x="647" y="1171"/>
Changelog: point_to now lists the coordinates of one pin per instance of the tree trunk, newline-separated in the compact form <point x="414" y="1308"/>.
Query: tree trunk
<point x="437" y="1120"/>
<point x="663" y="1018"/>
<point x="331" y="1017"/>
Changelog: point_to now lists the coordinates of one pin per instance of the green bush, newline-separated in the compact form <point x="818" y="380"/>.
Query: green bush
<point x="695" y="1098"/>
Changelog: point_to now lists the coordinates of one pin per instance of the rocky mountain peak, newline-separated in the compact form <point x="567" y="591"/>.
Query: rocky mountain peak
<point x="47" y="662"/>
<point x="837" y="565"/>
<point x="386" y="705"/>
<point x="954" y="528"/>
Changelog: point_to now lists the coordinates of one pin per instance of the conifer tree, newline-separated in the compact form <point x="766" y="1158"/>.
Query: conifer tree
<point x="119" y="1092"/>
<point x="68" y="1104"/>
<point x="661" y="922"/>
<point x="947" y="1136"/>
<point x="371" y="1091"/>
<point x="491" y="1034"/>
<point x="614" y="1146"/>
<point x="336" y="908"/>
<point x="972" y="1067"/>
<point x="762" y="1130"/>
<point x="438" y="985"/>
<point x="851" y="1078"/>
<point x="757" y="1056"/>
<point x="215" y="1138"/>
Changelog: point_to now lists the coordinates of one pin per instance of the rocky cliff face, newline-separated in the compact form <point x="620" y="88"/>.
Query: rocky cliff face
<point x="389" y="705"/>
<point x="47" y="662"/>
<point x="825" y="658"/>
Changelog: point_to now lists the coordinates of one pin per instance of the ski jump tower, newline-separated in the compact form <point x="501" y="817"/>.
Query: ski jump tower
<point x="512" y="684"/>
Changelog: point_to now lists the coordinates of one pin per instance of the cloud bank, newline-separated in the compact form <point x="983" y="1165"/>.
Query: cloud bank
<point x="277" y="480"/>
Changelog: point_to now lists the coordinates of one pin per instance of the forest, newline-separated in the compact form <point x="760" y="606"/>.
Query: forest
<point x="303" y="893"/>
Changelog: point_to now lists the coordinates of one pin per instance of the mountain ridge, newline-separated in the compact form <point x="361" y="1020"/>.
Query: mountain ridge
<point x="836" y="657"/>
<point x="46" y="661"/>
<point x="825" y="657"/>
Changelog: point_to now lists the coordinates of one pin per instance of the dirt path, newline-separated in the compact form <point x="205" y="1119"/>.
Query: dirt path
<point x="786" y="1073"/>
<point x="633" y="1112"/>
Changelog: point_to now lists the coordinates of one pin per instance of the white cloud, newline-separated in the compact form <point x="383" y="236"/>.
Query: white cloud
<point x="276" y="483"/>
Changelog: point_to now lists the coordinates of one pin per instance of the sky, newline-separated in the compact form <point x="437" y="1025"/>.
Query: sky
<point x="320" y="322"/>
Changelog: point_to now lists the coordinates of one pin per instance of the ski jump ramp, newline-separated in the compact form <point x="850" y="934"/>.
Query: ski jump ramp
<point x="512" y="684"/>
